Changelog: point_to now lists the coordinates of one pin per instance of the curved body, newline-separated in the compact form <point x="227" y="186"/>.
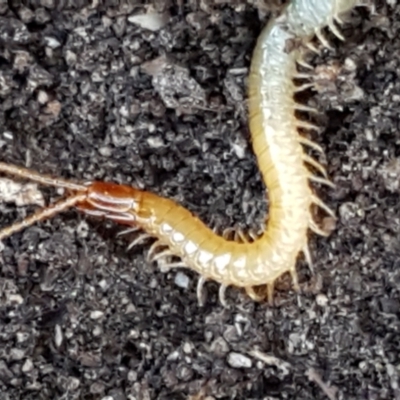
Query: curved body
<point x="281" y="159"/>
<point x="280" y="155"/>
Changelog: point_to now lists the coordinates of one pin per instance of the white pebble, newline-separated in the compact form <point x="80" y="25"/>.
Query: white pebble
<point x="151" y="21"/>
<point x="15" y="299"/>
<point x="96" y="314"/>
<point x="58" y="336"/>
<point x="237" y="360"/>
<point x="182" y="280"/>
<point x="321" y="300"/>
<point x="28" y="366"/>
<point x="52" y="42"/>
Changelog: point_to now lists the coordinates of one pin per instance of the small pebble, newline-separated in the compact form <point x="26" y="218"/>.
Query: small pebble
<point x="237" y="360"/>
<point x="28" y="366"/>
<point x="182" y="280"/>
<point x="96" y="314"/>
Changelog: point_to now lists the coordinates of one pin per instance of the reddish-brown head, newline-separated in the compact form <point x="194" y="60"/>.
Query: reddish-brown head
<point x="117" y="202"/>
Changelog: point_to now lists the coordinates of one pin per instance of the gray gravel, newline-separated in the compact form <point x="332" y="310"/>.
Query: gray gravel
<point x="87" y="93"/>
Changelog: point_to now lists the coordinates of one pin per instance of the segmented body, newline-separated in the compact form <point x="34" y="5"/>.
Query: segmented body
<point x="281" y="158"/>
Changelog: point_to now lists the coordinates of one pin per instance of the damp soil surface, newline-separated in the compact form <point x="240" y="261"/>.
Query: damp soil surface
<point x="90" y="90"/>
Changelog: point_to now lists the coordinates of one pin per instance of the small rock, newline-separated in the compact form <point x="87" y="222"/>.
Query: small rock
<point x="96" y="314"/>
<point x="28" y="366"/>
<point x="182" y="280"/>
<point x="237" y="360"/>
<point x="151" y="21"/>
<point x="17" y="354"/>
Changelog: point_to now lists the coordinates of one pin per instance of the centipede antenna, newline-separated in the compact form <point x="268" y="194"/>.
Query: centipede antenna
<point x="45" y="180"/>
<point x="42" y="214"/>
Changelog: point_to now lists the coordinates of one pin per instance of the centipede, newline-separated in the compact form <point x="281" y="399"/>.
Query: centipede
<point x="249" y="261"/>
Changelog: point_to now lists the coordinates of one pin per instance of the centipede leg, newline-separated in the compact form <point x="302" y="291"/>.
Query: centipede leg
<point x="301" y="60"/>
<point x="301" y="88"/>
<point x="315" y="164"/>
<point x="253" y="294"/>
<point x="226" y="234"/>
<point x="200" y="290"/>
<point x="316" y="229"/>
<point x="169" y="266"/>
<point x="141" y="238"/>
<point x="152" y="250"/>
<point x="295" y="279"/>
<point x="235" y="234"/>
<point x="307" y="256"/>
<point x="302" y="75"/>
<point x="307" y="125"/>
<point x="304" y="108"/>
<point x="253" y="235"/>
<point x="322" y="39"/>
<point x="314" y="49"/>
<point x="222" y="295"/>
<point x="322" y="181"/>
<point x="307" y="142"/>
<point x="128" y="231"/>
<point x="317" y="201"/>
<point x="241" y="237"/>
<point x="335" y="30"/>
<point x="165" y="253"/>
<point x="270" y="293"/>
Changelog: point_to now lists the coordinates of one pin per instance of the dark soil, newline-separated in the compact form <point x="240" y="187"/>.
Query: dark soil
<point x="87" y="94"/>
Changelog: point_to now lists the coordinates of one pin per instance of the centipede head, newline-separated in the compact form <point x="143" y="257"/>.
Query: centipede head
<point x="119" y="203"/>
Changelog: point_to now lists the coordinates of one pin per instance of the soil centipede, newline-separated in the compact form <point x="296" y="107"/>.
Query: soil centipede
<point x="246" y="262"/>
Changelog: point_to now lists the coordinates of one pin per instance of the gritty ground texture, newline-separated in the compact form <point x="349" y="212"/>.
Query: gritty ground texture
<point x="87" y="93"/>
